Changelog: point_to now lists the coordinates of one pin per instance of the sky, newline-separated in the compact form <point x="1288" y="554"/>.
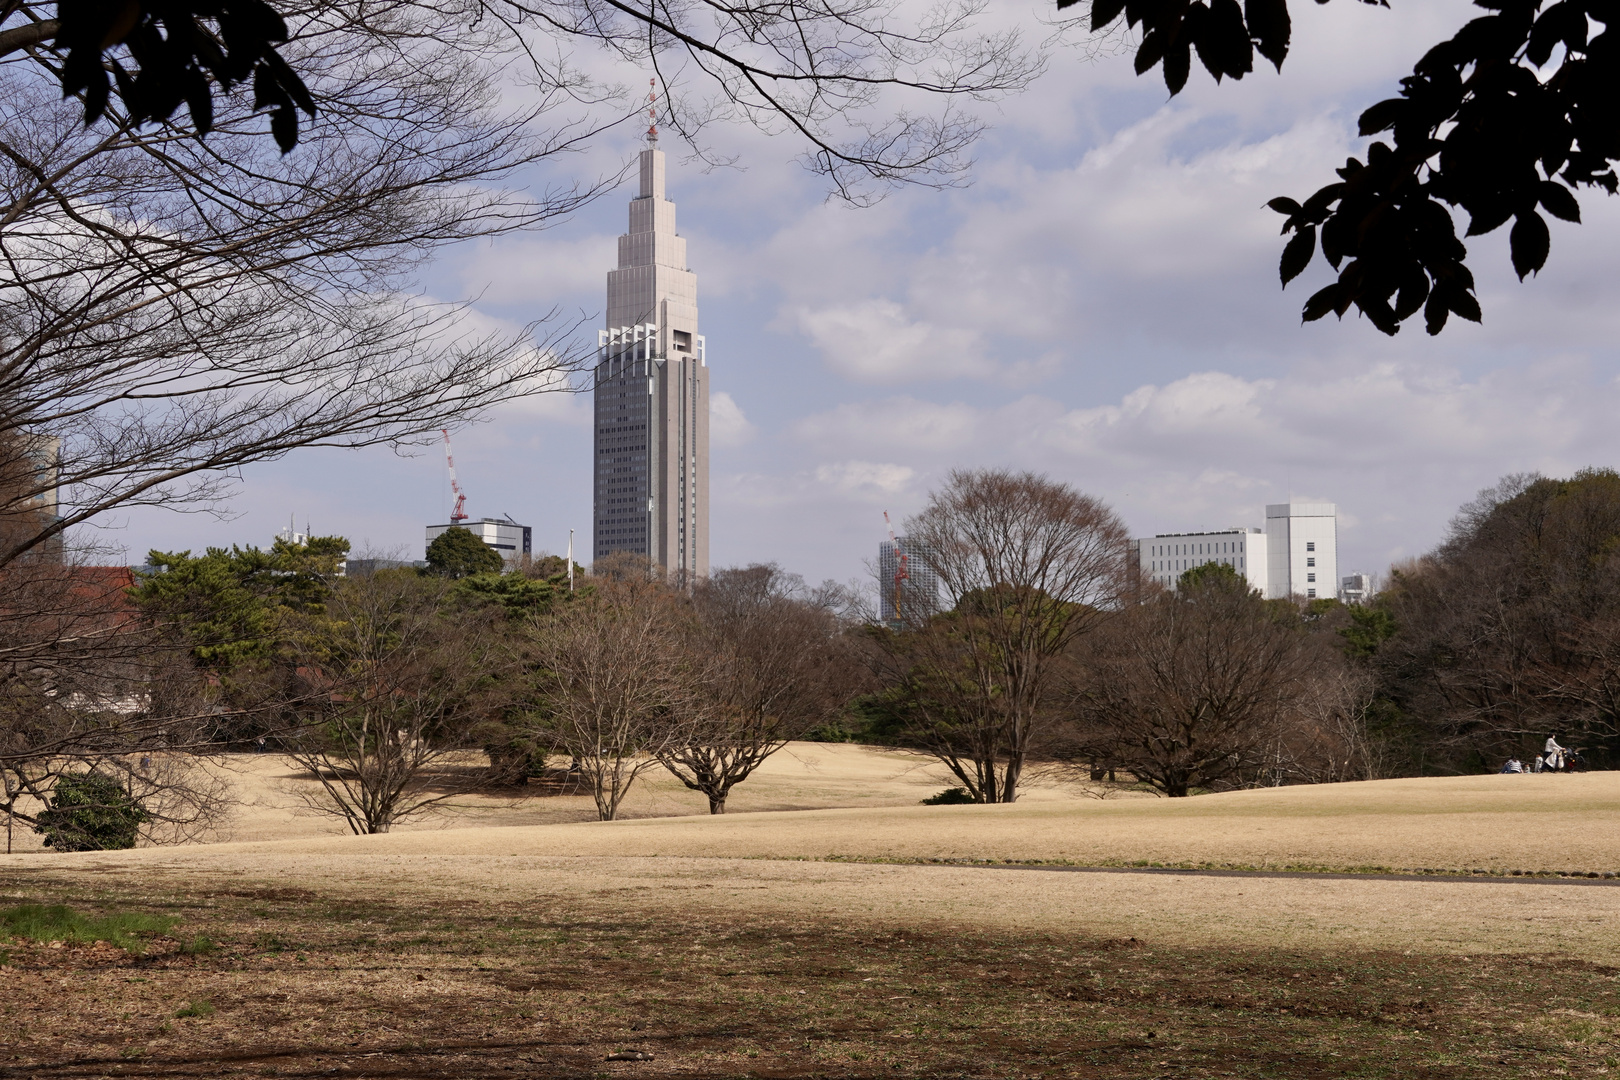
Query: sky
<point x="1100" y="304"/>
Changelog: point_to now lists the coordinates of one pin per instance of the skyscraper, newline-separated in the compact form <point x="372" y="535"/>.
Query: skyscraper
<point x="918" y="593"/>
<point x="652" y="395"/>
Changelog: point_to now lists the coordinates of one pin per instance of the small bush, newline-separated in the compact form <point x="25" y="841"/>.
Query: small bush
<point x="39" y="922"/>
<point x="90" y="812"/>
<point x="951" y="796"/>
<point x="199" y="1008"/>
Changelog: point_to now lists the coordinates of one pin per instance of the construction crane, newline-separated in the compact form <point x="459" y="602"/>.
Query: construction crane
<point x="459" y="514"/>
<point x="900" y="572"/>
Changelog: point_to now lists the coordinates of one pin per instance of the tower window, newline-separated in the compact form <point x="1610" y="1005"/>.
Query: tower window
<point x="1310" y="545"/>
<point x="683" y="340"/>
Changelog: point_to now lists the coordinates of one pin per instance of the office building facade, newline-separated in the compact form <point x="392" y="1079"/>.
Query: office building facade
<point x="1164" y="558"/>
<point x="918" y="592"/>
<point x="1303" y="541"/>
<point x="1296" y="555"/>
<point x="651" y="396"/>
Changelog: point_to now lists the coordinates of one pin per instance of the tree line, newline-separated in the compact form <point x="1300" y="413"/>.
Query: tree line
<point x="1044" y="653"/>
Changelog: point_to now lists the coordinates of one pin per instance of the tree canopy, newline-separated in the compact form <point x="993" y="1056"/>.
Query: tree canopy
<point x="1504" y="121"/>
<point x="457" y="553"/>
<point x="229" y="603"/>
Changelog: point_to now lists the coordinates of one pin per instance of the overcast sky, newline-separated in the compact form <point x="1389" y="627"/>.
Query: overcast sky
<point x="1101" y="304"/>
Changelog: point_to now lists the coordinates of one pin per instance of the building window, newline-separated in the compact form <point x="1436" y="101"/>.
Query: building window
<point x="1311" y="561"/>
<point x="1310" y="545"/>
<point x="683" y="340"/>
<point x="1310" y="577"/>
<point x="1310" y="594"/>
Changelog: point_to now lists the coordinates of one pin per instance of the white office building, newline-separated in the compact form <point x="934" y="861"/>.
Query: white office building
<point x="1165" y="557"/>
<point x="1302" y="542"/>
<point x="506" y="536"/>
<point x="1296" y="555"/>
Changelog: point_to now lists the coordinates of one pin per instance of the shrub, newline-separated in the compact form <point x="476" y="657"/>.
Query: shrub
<point x="90" y="812"/>
<point x="951" y="796"/>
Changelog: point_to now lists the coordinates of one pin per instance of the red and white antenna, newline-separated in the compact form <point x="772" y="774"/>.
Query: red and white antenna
<point x="459" y="514"/>
<point x="652" y="111"/>
<point x="900" y="572"/>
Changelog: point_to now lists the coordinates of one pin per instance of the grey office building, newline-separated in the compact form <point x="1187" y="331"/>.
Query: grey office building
<point x="918" y="593"/>
<point x="652" y="395"/>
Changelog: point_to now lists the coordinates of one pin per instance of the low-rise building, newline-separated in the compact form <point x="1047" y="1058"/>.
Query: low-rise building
<point x="506" y="536"/>
<point x="1165" y="557"/>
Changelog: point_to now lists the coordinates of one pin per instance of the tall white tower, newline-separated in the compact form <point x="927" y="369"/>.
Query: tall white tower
<point x="652" y="395"/>
<point x="1302" y="541"/>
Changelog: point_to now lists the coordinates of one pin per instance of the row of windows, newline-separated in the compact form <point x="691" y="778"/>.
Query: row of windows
<point x="1224" y="548"/>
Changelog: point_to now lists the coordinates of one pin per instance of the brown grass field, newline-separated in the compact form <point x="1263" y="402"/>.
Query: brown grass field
<point x="824" y="942"/>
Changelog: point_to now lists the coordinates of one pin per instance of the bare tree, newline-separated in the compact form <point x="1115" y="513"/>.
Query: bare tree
<point x="873" y="92"/>
<point x="776" y="662"/>
<point x="1028" y="565"/>
<point x="1195" y="689"/>
<point x="616" y="679"/>
<point x="87" y="685"/>
<point x="404" y="681"/>
<point x="174" y="308"/>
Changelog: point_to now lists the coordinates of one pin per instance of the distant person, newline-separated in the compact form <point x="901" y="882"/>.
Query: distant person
<point x="1552" y="754"/>
<point x="1514" y="765"/>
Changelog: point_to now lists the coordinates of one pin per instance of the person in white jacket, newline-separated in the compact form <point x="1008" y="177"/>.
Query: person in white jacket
<point x="1552" y="755"/>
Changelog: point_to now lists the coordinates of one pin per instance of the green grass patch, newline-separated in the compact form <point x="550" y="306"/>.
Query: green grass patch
<point x="199" y="1008"/>
<point x="201" y="945"/>
<point x="57" y="922"/>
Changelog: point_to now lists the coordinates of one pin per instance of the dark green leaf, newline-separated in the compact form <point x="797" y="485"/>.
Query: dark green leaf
<point x="1382" y="116"/>
<point x="1435" y="312"/>
<point x="1297" y="254"/>
<point x="1529" y="242"/>
<point x="1284" y="205"/>
<point x="1177" y="65"/>
<point x="1464" y="304"/>
<point x="284" y="126"/>
<point x="1322" y="302"/>
<point x="1270" y="27"/>
<point x="1151" y="51"/>
<point x="1103" y="12"/>
<point x="1559" y="201"/>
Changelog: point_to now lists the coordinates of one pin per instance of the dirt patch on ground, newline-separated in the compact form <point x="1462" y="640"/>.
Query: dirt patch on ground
<point x="347" y="982"/>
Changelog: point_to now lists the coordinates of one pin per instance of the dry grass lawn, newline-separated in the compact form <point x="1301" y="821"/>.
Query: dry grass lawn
<point x="822" y="942"/>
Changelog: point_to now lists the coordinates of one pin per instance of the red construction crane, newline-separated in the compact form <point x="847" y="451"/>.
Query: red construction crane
<point x="459" y="514"/>
<point x="900" y="573"/>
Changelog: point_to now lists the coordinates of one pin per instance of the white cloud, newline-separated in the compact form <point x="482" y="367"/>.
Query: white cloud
<point x="874" y="341"/>
<point x="865" y="478"/>
<point x="727" y="424"/>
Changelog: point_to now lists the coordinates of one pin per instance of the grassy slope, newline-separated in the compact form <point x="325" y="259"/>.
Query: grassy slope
<point x="1497" y="823"/>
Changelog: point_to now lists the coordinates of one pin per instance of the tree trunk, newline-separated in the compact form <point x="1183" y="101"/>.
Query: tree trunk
<point x="717" y="803"/>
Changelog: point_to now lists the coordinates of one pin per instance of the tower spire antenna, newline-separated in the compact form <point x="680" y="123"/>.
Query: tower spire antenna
<point x="652" y="112"/>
